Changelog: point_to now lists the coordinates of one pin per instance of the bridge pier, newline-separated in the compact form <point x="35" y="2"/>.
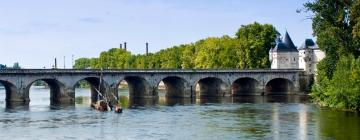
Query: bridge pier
<point x="139" y="87"/>
<point x="64" y="96"/>
<point x="21" y="97"/>
<point x="17" y="96"/>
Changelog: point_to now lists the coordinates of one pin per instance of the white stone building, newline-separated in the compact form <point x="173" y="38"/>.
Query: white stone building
<point x="309" y="56"/>
<point x="286" y="56"/>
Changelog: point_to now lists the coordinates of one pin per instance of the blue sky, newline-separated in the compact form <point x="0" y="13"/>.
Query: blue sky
<point x="34" y="32"/>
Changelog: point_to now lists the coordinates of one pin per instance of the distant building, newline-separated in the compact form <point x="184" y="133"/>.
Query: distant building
<point x="285" y="55"/>
<point x="16" y="66"/>
<point x="310" y="55"/>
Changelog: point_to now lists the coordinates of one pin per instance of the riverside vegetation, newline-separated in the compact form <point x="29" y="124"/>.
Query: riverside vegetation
<point x="247" y="50"/>
<point x="336" y="24"/>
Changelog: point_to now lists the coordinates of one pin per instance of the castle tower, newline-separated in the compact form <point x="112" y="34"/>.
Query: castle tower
<point x="285" y="55"/>
<point x="309" y="56"/>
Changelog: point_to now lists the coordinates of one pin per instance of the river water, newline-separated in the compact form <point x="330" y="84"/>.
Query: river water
<point x="275" y="117"/>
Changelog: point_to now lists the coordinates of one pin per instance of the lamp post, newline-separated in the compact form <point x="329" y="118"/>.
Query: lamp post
<point x="72" y="61"/>
<point x="64" y="62"/>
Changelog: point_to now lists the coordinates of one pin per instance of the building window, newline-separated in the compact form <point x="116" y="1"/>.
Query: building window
<point x="294" y="58"/>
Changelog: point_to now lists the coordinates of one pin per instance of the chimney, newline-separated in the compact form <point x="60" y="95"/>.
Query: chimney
<point x="147" y="48"/>
<point x="125" y="46"/>
<point x="55" y="64"/>
<point x="120" y="46"/>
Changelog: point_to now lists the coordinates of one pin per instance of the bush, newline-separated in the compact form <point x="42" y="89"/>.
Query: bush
<point x="343" y="90"/>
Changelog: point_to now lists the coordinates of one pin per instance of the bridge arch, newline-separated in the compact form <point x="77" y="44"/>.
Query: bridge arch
<point x="56" y="89"/>
<point x="175" y="87"/>
<point x="279" y="86"/>
<point x="211" y="87"/>
<point x="95" y="87"/>
<point x="10" y="89"/>
<point x="245" y="86"/>
<point x="138" y="86"/>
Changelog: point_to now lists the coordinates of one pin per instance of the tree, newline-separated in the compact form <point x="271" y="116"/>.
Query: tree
<point x="82" y="63"/>
<point x="336" y="26"/>
<point x="249" y="49"/>
<point x="255" y="41"/>
<point x="334" y="23"/>
<point x="228" y="52"/>
<point x="187" y="56"/>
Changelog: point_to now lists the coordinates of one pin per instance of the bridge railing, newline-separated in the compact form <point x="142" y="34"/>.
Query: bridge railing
<point x="4" y="71"/>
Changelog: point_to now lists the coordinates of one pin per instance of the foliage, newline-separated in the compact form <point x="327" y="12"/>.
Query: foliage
<point x="336" y="25"/>
<point x="249" y="49"/>
<point x="343" y="90"/>
<point x="82" y="63"/>
<point x="256" y="40"/>
<point x="82" y="84"/>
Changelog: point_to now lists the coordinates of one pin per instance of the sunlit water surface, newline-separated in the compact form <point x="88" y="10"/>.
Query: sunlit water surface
<point x="276" y="117"/>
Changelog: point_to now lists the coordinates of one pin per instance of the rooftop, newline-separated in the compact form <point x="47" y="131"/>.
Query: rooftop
<point x="286" y="45"/>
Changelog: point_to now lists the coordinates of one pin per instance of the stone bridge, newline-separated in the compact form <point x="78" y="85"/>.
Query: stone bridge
<point x="144" y="83"/>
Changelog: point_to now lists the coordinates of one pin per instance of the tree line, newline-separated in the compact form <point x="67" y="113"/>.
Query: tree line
<point x="336" y="24"/>
<point x="247" y="50"/>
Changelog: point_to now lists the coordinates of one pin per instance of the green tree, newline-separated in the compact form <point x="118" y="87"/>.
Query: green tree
<point x="82" y="63"/>
<point x="187" y="56"/>
<point x="334" y="23"/>
<point x="228" y="52"/>
<point x="255" y="42"/>
<point x="249" y="49"/>
<point x="94" y="63"/>
<point x="336" y="26"/>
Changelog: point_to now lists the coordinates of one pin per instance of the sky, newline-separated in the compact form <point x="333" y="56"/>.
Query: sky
<point x="35" y="32"/>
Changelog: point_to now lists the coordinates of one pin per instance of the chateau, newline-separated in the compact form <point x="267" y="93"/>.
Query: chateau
<point x="285" y="55"/>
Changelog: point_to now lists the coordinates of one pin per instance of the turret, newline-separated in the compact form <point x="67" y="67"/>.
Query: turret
<point x="284" y="55"/>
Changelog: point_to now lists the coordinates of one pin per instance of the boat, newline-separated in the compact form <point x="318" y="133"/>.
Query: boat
<point x="105" y="105"/>
<point x="102" y="105"/>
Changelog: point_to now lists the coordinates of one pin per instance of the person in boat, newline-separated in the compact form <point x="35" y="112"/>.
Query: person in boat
<point x="118" y="108"/>
<point x="101" y="105"/>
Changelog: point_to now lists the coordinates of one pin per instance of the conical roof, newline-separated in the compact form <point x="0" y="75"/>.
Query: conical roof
<point x="286" y="45"/>
<point x="307" y="44"/>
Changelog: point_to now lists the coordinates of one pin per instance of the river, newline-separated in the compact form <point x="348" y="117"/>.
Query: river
<point x="275" y="117"/>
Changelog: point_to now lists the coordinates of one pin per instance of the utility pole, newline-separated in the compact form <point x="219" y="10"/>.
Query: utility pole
<point x="64" y="62"/>
<point x="120" y="46"/>
<point x="55" y="66"/>
<point x="72" y="61"/>
<point x="147" y="48"/>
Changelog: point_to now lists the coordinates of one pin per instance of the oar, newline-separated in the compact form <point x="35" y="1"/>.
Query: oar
<point x="107" y="103"/>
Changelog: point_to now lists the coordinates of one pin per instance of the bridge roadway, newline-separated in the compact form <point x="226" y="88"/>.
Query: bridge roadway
<point x="144" y="83"/>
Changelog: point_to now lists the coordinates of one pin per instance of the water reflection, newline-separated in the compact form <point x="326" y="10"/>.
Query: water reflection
<point x="332" y="124"/>
<point x="303" y="121"/>
<point x="245" y="117"/>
